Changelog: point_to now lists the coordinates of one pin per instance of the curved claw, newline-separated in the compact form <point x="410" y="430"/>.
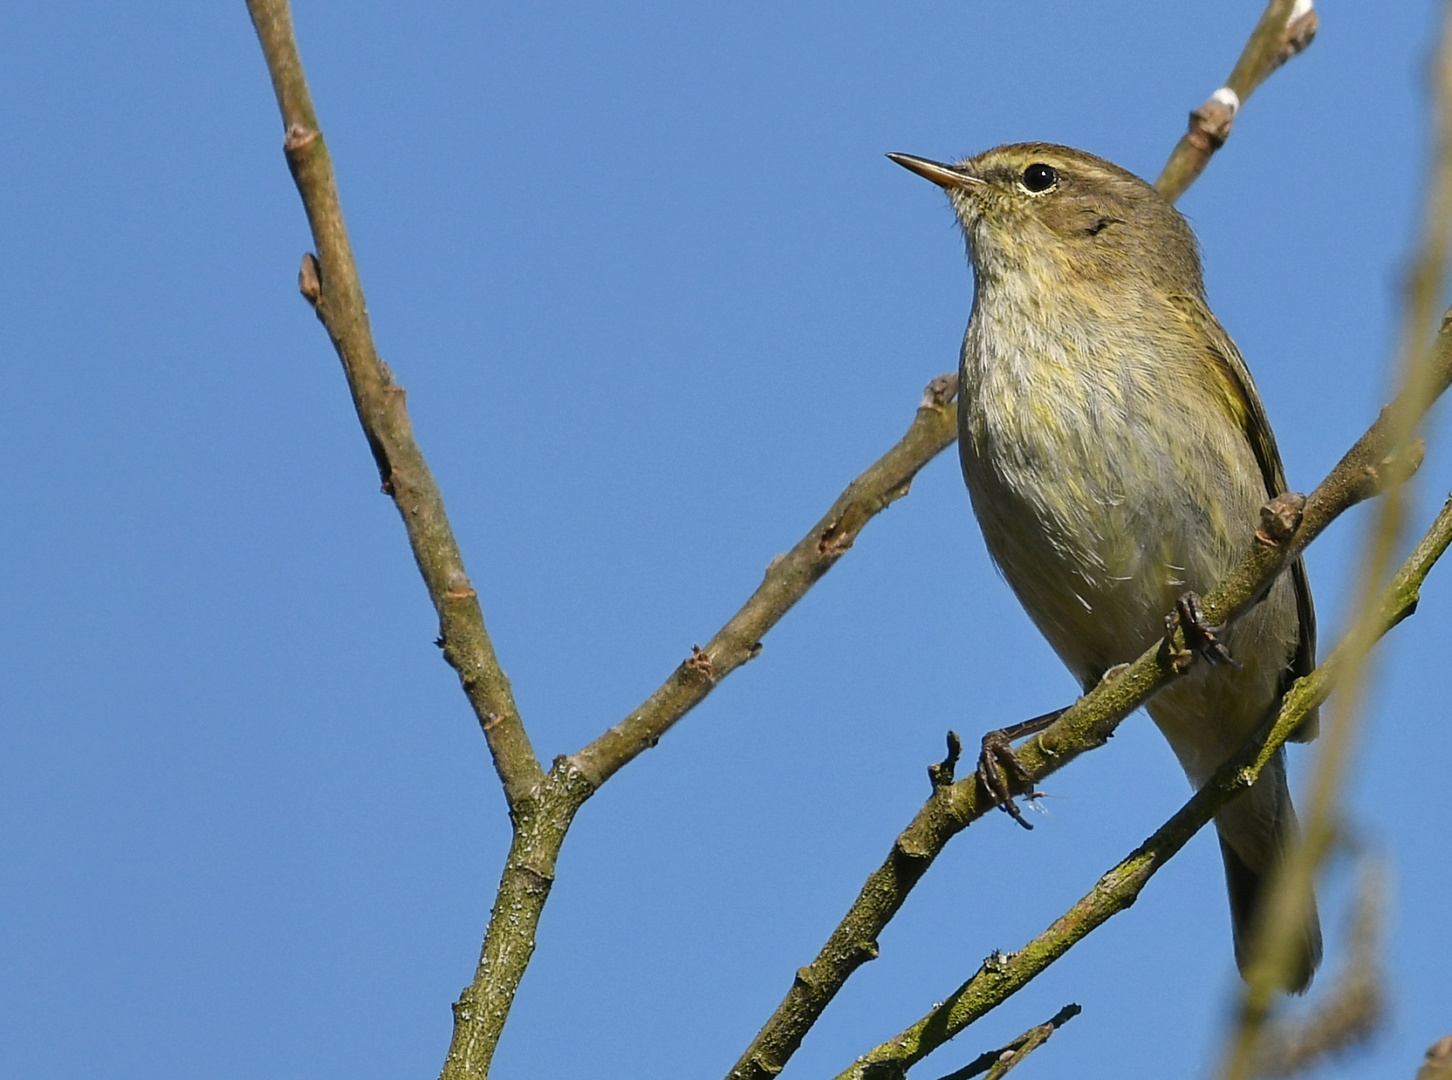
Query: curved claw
<point x="995" y="763"/>
<point x="999" y="767"/>
<point x="1200" y="637"/>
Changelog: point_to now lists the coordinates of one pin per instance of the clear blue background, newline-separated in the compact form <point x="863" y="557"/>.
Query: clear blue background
<point x="656" y="296"/>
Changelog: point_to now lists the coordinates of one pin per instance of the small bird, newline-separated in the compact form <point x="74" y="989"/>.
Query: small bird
<point x="1117" y="455"/>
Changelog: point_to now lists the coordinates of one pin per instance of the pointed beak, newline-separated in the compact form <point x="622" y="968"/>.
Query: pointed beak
<point x="945" y="176"/>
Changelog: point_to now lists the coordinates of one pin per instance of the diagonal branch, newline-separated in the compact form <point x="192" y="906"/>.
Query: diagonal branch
<point x="330" y="282"/>
<point x="787" y="580"/>
<point x="1286" y="28"/>
<point x="1289" y="524"/>
<point x="1003" y="975"/>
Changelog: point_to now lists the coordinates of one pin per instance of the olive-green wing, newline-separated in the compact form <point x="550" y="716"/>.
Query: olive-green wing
<point x="1245" y="404"/>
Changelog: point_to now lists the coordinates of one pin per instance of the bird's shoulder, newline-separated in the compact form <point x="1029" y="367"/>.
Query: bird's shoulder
<point x="1237" y="392"/>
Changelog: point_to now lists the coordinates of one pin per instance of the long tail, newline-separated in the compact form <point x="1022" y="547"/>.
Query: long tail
<point x="1255" y="832"/>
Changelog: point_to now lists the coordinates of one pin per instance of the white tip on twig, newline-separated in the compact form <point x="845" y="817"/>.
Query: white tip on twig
<point x="1228" y="97"/>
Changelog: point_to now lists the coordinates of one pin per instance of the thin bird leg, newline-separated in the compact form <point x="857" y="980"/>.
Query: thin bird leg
<point x="997" y="763"/>
<point x="1200" y="636"/>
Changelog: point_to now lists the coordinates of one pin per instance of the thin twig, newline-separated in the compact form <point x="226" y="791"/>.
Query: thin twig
<point x="331" y="284"/>
<point x="1286" y="28"/>
<point x="998" y="1062"/>
<point x="787" y="580"/>
<point x="1003" y="975"/>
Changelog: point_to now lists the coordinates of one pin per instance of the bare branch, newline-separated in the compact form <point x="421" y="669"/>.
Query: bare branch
<point x="331" y="284"/>
<point x="1286" y="28"/>
<point x="787" y="580"/>
<point x="997" y="1063"/>
<point x="1003" y="975"/>
<point x="529" y="873"/>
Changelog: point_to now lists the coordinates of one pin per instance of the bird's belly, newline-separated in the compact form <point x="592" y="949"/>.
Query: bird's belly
<point x="1093" y="589"/>
<point x="1098" y="529"/>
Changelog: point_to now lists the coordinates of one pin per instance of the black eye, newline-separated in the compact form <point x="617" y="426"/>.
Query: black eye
<point x="1040" y="177"/>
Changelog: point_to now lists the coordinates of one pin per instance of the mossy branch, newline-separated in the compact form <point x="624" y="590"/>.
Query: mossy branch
<point x="1289" y="523"/>
<point x="1002" y="975"/>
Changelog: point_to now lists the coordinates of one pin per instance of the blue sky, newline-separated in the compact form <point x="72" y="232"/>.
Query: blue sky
<point x="657" y="296"/>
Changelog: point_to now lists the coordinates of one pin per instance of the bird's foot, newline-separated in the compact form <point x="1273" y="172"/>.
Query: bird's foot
<point x="999" y="768"/>
<point x="1201" y="639"/>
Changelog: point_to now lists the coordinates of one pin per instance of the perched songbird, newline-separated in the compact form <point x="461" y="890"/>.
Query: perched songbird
<point x="1117" y="455"/>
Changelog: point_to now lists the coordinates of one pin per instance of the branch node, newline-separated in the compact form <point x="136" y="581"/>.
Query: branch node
<point x="765" y="1067"/>
<point x="940" y="773"/>
<point x="700" y="663"/>
<point x="1300" y="32"/>
<point x="834" y="541"/>
<point x="1280" y="518"/>
<point x="940" y="391"/>
<point x="1396" y="468"/>
<point x="996" y="961"/>
<point x="298" y="136"/>
<point x="912" y="848"/>
<point x="310" y="279"/>
<point x="1210" y="124"/>
<point x="459" y="587"/>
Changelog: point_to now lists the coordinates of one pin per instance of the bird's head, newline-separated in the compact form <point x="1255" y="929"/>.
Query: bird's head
<point x="1041" y="209"/>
